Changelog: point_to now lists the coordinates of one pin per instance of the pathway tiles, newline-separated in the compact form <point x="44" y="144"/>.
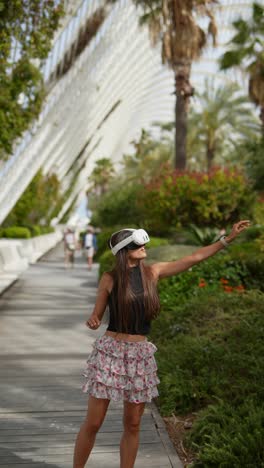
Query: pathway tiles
<point x="43" y="348"/>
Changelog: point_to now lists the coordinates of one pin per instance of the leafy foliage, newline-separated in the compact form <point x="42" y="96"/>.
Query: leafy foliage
<point x="26" y="32"/>
<point x="229" y="436"/>
<point x="118" y="206"/>
<point x="202" y="236"/>
<point x="36" y="204"/>
<point x="255" y="163"/>
<point x="246" y="50"/>
<point x="148" y="157"/>
<point x="15" y="232"/>
<point x="101" y="176"/>
<point x="174" y="199"/>
<point x="222" y="117"/>
<point x="210" y="347"/>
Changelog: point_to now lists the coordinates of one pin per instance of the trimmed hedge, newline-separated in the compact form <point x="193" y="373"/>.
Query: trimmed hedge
<point x="23" y="232"/>
<point x="16" y="232"/>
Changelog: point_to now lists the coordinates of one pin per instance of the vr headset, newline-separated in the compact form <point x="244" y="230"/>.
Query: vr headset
<point x="138" y="237"/>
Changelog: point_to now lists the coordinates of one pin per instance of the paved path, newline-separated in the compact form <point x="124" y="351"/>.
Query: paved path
<point x="43" y="348"/>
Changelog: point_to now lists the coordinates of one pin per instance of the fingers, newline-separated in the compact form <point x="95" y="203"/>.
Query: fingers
<point x="241" y="225"/>
<point x="93" y="323"/>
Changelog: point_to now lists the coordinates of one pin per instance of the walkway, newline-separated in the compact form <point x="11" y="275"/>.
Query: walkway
<point x="43" y="348"/>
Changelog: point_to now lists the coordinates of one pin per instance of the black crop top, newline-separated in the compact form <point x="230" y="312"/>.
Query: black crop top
<point x="138" y="324"/>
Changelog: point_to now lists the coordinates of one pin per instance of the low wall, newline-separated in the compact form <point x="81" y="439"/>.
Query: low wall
<point x="17" y="254"/>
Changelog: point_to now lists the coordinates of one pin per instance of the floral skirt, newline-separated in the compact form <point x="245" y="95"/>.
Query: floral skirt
<point x="122" y="370"/>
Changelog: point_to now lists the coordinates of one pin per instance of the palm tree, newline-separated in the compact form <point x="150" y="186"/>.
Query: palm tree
<point x="183" y="40"/>
<point x="147" y="159"/>
<point x="247" y="51"/>
<point x="101" y="176"/>
<point x="223" y="119"/>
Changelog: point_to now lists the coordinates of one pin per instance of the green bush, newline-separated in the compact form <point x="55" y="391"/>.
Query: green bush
<point x="156" y="242"/>
<point x="227" y="436"/>
<point x="16" y="232"/>
<point x="250" y="257"/>
<point x="252" y="233"/>
<point x="35" y="230"/>
<point x="46" y="230"/>
<point x="107" y="261"/>
<point x="25" y="232"/>
<point x="202" y="236"/>
<point x="36" y="203"/>
<point x="258" y="211"/>
<point x="210" y="347"/>
<point x="118" y="207"/>
<point x="218" y="273"/>
<point x="214" y="199"/>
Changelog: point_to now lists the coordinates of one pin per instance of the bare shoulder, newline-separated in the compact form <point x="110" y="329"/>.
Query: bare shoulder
<point x="106" y="282"/>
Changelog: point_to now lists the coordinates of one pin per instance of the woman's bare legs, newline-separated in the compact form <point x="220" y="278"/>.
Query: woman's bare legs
<point x="89" y="262"/>
<point x="97" y="408"/>
<point x="130" y="439"/>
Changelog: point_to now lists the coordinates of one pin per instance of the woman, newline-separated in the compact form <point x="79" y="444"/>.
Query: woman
<point x="122" y="365"/>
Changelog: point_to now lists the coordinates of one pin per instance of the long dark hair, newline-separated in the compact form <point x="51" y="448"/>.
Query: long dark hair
<point x="122" y="291"/>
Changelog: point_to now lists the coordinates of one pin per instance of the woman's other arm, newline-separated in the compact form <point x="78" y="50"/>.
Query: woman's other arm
<point x="104" y="289"/>
<point x="165" y="269"/>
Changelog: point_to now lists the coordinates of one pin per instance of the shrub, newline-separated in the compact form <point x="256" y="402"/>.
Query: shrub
<point x="16" y="232"/>
<point x="218" y="273"/>
<point x="250" y="257"/>
<point x="202" y="236"/>
<point x="46" y="229"/>
<point x="35" y="230"/>
<point x="228" y="436"/>
<point x="118" y="207"/>
<point x="36" y="203"/>
<point x="210" y="347"/>
<point x="258" y="211"/>
<point x="107" y="261"/>
<point x="174" y="199"/>
<point x="156" y="242"/>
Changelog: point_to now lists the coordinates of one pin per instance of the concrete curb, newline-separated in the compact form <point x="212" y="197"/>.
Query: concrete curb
<point x="165" y="438"/>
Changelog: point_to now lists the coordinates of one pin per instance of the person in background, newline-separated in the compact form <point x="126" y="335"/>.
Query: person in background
<point x="69" y="248"/>
<point x="89" y="245"/>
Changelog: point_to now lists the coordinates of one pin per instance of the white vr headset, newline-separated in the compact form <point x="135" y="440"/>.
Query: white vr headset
<point x="138" y="236"/>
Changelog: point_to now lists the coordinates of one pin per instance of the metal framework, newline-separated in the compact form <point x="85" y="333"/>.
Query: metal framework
<point x="115" y="87"/>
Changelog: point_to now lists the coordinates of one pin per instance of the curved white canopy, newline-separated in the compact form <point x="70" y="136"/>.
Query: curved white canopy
<point x="116" y="87"/>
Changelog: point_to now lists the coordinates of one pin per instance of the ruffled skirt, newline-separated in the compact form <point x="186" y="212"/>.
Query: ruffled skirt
<point x="122" y="370"/>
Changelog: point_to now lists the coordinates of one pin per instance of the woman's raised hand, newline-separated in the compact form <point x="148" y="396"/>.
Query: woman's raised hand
<point x="93" y="322"/>
<point x="237" y="229"/>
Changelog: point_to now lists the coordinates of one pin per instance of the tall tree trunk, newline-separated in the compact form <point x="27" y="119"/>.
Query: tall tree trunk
<point x="210" y="152"/>
<point x="184" y="91"/>
<point x="180" y="132"/>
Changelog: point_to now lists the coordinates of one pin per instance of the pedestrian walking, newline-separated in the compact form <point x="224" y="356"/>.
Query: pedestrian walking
<point x="122" y="365"/>
<point x="69" y="248"/>
<point x="89" y="245"/>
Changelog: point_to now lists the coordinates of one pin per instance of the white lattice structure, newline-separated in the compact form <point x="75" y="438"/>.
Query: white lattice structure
<point x="117" y="71"/>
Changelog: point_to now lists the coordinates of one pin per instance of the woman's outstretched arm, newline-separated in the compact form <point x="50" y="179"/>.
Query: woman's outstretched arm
<point x="165" y="269"/>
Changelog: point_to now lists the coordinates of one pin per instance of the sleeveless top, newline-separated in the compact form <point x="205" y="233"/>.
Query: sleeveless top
<point x="138" y="324"/>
